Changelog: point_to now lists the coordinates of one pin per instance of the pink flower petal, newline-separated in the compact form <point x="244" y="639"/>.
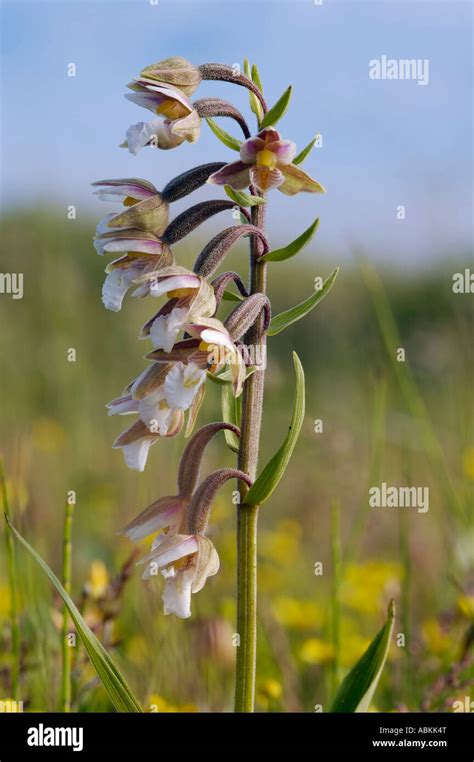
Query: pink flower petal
<point x="284" y="150"/>
<point x="265" y="179"/>
<point x="235" y="174"/>
<point x="249" y="150"/>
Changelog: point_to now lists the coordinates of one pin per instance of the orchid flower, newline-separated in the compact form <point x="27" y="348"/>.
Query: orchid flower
<point x="143" y="251"/>
<point x="145" y="208"/>
<point x="180" y="120"/>
<point x="210" y="347"/>
<point x="266" y="163"/>
<point x="185" y="561"/>
<point x="189" y="296"/>
<point x="159" y="396"/>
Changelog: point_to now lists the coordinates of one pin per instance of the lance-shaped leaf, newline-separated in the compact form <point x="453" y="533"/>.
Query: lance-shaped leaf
<point x="113" y="681"/>
<point x="231" y="414"/>
<point x="203" y="498"/>
<point x="269" y="478"/>
<point x="255" y="105"/>
<point x="190" y="464"/>
<point x="256" y="77"/>
<point x="229" y="296"/>
<point x="358" y="687"/>
<point x="299" y="159"/>
<point x="279" y="255"/>
<point x="209" y="107"/>
<point x="218" y="247"/>
<point x="243" y="199"/>
<point x="284" y="319"/>
<point x="189" y="181"/>
<point x="277" y="111"/>
<point x="244" y="316"/>
<point x="191" y="218"/>
<point x="224" y="136"/>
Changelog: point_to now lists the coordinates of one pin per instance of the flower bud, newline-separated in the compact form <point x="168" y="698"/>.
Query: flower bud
<point x="174" y="71"/>
<point x="149" y="214"/>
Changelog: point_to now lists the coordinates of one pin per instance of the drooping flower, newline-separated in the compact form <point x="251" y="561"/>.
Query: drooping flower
<point x="189" y="297"/>
<point x="159" y="396"/>
<point x="169" y="515"/>
<point x="143" y="252"/>
<point x="266" y="162"/>
<point x="180" y="121"/>
<point x="145" y="208"/>
<point x="185" y="561"/>
<point x="136" y="441"/>
<point x="210" y="347"/>
<point x="165" y="515"/>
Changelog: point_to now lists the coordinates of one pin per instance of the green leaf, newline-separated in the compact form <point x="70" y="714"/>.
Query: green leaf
<point x="224" y="136"/>
<point x="284" y="319"/>
<point x="243" y="199"/>
<point x="255" y="105"/>
<point x="113" y="681"/>
<point x="229" y="296"/>
<point x="256" y="77"/>
<point x="231" y="413"/>
<point x="277" y="111"/>
<point x="279" y="255"/>
<point x="269" y="478"/>
<point x="305" y="152"/>
<point x="358" y="687"/>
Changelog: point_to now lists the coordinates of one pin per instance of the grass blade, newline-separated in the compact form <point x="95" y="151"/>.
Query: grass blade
<point x="67" y="580"/>
<point x="12" y="584"/>
<point x="113" y="681"/>
<point x="358" y="687"/>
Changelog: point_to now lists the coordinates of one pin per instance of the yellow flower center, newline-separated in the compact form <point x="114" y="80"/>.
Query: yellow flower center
<point x="129" y="201"/>
<point x="172" y="109"/>
<point x="266" y="158"/>
<point x="180" y="292"/>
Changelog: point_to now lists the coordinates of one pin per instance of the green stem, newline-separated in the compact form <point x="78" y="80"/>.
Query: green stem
<point x="66" y="648"/>
<point x="11" y="568"/>
<point x="252" y="405"/>
<point x="336" y="561"/>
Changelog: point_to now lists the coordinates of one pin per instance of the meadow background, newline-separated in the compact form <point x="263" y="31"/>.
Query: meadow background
<point x="384" y="144"/>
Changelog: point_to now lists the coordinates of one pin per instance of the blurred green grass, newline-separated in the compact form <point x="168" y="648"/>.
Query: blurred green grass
<point x="56" y="437"/>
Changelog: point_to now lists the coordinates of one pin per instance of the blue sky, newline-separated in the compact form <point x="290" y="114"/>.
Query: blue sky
<point x="385" y="143"/>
